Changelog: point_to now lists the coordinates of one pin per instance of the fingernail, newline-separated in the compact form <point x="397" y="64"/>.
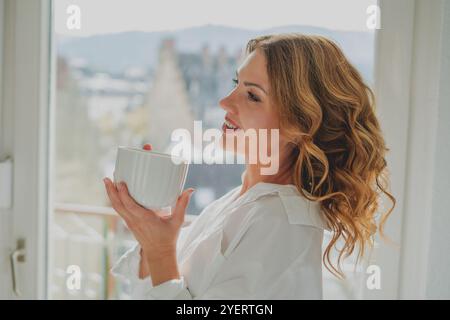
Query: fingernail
<point x="121" y="185"/>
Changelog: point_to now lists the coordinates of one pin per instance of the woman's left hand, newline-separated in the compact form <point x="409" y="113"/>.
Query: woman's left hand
<point x="156" y="234"/>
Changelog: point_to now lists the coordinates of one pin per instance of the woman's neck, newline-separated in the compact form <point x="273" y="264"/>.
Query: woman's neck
<point x="252" y="176"/>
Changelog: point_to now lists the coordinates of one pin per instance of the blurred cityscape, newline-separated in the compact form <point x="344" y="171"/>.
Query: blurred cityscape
<point x="98" y="111"/>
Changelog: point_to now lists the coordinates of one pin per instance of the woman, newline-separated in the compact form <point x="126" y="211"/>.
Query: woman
<point x="263" y="239"/>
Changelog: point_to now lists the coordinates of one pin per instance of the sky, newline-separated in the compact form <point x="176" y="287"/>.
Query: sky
<point x="110" y="16"/>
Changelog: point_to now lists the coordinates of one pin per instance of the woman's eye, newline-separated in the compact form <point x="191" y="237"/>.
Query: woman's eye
<point x="252" y="97"/>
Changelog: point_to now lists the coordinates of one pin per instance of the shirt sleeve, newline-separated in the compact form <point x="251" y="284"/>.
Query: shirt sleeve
<point x="127" y="268"/>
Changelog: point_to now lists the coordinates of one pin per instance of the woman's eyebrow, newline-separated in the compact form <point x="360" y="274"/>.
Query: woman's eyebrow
<point x="252" y="84"/>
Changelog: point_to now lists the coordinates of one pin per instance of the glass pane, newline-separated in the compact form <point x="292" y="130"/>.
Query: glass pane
<point x="129" y="73"/>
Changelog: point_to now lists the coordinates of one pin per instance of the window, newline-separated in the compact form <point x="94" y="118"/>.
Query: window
<point x="129" y="73"/>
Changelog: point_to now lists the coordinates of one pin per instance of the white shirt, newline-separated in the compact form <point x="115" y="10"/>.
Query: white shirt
<point x="264" y="244"/>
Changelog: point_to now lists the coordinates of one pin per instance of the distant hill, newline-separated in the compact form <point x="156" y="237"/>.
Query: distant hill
<point x="115" y="52"/>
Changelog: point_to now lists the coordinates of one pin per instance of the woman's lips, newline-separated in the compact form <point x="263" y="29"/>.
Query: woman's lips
<point x="229" y="124"/>
<point x="225" y="128"/>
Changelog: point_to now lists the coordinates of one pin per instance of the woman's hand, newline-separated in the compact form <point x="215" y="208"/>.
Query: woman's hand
<point x="156" y="234"/>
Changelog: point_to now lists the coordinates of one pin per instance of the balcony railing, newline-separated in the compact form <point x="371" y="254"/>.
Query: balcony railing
<point x="91" y="238"/>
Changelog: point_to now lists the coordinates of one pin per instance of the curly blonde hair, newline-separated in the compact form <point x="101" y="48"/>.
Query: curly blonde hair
<point x="327" y="111"/>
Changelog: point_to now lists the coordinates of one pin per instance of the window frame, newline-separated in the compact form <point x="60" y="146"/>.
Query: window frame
<point x="26" y="119"/>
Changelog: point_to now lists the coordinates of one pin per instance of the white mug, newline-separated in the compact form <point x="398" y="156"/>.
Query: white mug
<point x="154" y="179"/>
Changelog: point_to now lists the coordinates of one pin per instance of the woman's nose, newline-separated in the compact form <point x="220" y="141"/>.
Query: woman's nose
<point x="225" y="103"/>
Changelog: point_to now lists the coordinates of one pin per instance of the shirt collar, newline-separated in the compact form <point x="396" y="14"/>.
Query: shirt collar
<point x="298" y="209"/>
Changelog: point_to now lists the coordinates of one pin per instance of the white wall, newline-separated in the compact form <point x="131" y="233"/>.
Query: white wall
<point x="424" y="261"/>
<point x="5" y="277"/>
<point x="438" y="275"/>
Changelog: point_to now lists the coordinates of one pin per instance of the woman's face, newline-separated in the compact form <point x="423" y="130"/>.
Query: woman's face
<point x="248" y="105"/>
